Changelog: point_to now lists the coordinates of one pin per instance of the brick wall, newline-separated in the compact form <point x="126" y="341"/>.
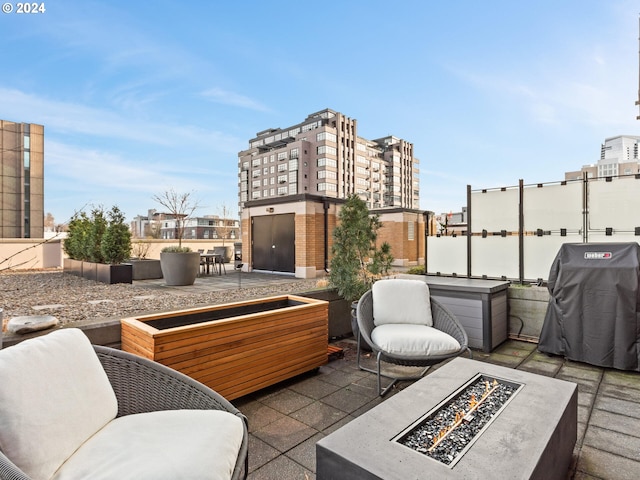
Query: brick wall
<point x="310" y="234"/>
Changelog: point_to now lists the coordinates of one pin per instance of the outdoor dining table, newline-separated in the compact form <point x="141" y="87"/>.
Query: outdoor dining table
<point x="210" y="261"/>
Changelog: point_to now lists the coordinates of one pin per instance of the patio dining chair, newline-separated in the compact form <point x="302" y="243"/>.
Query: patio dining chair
<point x="70" y="410"/>
<point x="220" y="259"/>
<point x="202" y="260"/>
<point x="405" y="326"/>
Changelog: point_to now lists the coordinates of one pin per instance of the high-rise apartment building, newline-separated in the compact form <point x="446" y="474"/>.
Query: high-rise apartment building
<point x="21" y="180"/>
<point x="323" y="155"/>
<point x="619" y="156"/>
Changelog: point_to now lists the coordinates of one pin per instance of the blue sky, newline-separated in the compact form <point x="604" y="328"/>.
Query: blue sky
<point x="141" y="96"/>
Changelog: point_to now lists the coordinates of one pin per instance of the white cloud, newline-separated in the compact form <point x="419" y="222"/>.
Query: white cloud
<point x="218" y="95"/>
<point x="70" y="118"/>
<point x="592" y="86"/>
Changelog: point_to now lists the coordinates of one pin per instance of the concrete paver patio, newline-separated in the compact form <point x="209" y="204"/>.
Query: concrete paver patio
<point x="286" y="421"/>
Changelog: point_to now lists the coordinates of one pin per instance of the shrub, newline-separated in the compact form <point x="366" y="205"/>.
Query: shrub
<point x="93" y="245"/>
<point x="97" y="239"/>
<point x="417" y="270"/>
<point x="140" y="250"/>
<point x="176" y="249"/>
<point x="116" y="241"/>
<point x="74" y="244"/>
<point x="356" y="261"/>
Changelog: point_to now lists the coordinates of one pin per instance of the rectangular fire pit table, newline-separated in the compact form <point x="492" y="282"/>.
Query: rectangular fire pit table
<point x="531" y="438"/>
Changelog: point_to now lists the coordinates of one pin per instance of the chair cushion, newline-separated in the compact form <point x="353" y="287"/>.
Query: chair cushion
<point x="173" y="444"/>
<point x="54" y="395"/>
<point x="413" y="340"/>
<point x="401" y="301"/>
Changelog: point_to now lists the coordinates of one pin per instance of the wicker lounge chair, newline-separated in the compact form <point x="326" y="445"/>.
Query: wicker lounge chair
<point x="143" y="390"/>
<point x="415" y="329"/>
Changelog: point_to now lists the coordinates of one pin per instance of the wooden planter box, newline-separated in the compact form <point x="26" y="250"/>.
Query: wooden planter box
<point x="235" y="348"/>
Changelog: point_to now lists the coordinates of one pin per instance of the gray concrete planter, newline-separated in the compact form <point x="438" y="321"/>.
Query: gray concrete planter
<point x="99" y="272"/>
<point x="90" y="271"/>
<point x="110" y="274"/>
<point x="180" y="268"/>
<point x="73" y="267"/>
<point x="146" y="269"/>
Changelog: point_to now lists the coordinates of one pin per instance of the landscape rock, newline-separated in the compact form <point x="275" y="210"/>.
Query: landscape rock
<point x="31" y="323"/>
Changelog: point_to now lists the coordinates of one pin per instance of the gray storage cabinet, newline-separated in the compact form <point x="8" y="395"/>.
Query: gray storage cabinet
<point x="479" y="305"/>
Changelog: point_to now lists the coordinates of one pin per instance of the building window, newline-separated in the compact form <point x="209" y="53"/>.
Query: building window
<point x="255" y="194"/>
<point x="327" y="174"/>
<point x="327" y="162"/>
<point x="325" y="149"/>
<point x="411" y="231"/>
<point x="256" y="162"/>
<point x="293" y="177"/>
<point x="293" y="164"/>
<point x="293" y="189"/>
<point x="282" y="190"/>
<point x="327" y="187"/>
<point x="293" y="153"/>
<point x="326" y="136"/>
<point x="310" y="126"/>
<point x="282" y="179"/>
<point x="282" y="156"/>
<point x="282" y="167"/>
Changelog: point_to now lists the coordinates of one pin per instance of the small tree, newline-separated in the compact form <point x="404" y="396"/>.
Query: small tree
<point x="98" y="227"/>
<point x="356" y="261"/>
<point x="181" y="206"/>
<point x="74" y="244"/>
<point x="116" y="241"/>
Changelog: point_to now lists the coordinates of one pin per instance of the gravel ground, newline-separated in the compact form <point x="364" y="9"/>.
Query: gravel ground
<point x="73" y="299"/>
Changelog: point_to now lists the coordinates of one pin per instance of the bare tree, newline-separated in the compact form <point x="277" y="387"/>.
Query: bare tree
<point x="153" y="229"/>
<point x="180" y="205"/>
<point x="225" y="225"/>
<point x="49" y="222"/>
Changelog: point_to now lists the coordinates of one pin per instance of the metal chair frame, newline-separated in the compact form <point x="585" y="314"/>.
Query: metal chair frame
<point x="443" y="320"/>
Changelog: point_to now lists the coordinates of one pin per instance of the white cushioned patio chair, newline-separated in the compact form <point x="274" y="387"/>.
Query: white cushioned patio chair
<point x="403" y="325"/>
<point x="70" y="410"/>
